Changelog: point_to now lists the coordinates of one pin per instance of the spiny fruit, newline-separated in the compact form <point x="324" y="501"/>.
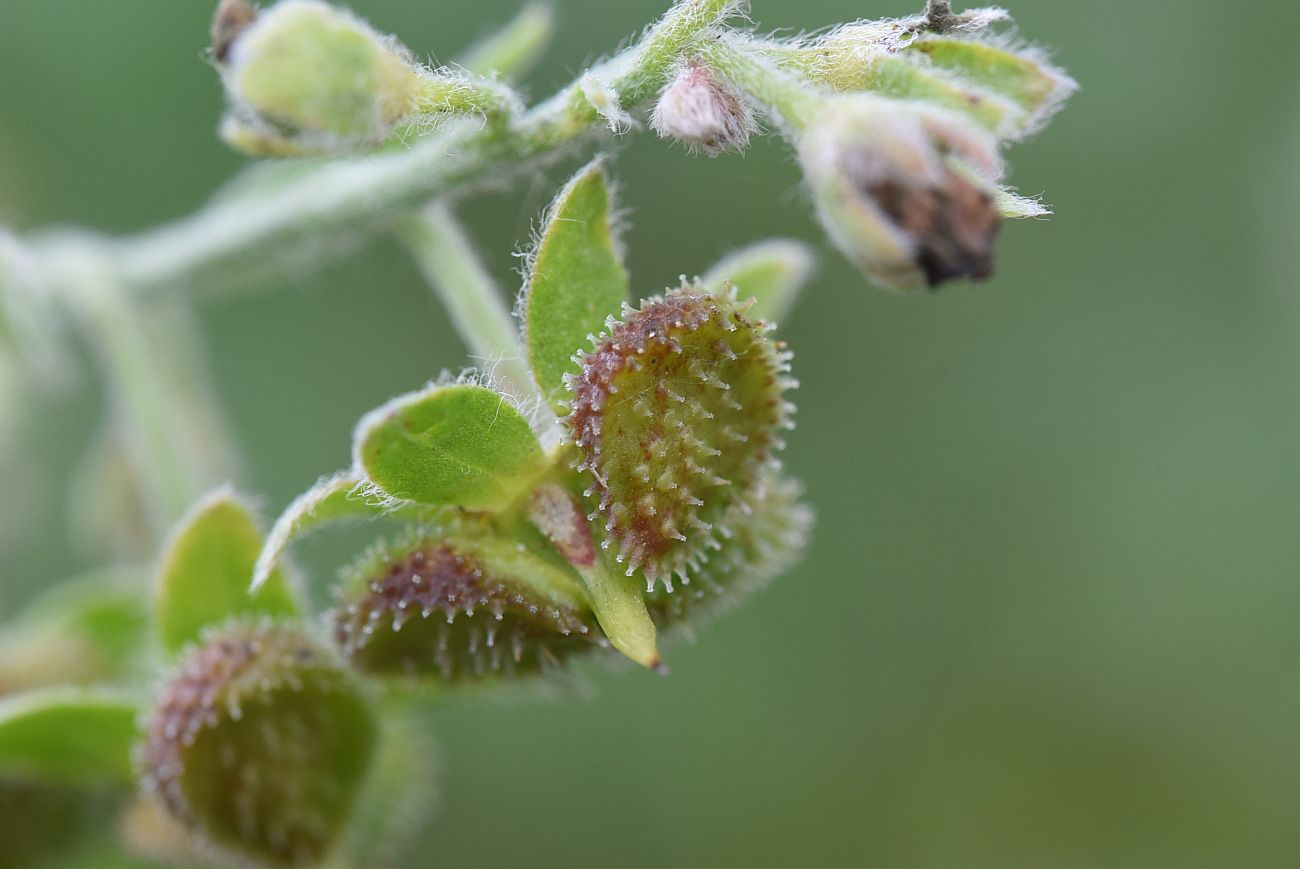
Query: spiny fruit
<point x="676" y="412"/>
<point x="258" y="745"/>
<point x="458" y="607"/>
<point x="767" y="533"/>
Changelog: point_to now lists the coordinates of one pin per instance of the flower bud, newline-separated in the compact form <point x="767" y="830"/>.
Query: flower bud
<point x="699" y="111"/>
<point x="259" y="744"/>
<point x="306" y="70"/>
<point x="676" y="412"/>
<point x="305" y="77"/>
<point x="460" y="607"/>
<point x="903" y="189"/>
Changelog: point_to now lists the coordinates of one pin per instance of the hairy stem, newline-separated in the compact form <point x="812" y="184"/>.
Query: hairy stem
<point x="741" y="61"/>
<point x="308" y="219"/>
<point x="472" y="299"/>
<point x="143" y="401"/>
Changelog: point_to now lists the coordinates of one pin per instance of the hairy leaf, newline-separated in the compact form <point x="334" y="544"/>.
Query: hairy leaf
<point x="206" y="571"/>
<point x="336" y="498"/>
<point x="576" y="280"/>
<point x="462" y="445"/>
<point x="770" y="272"/>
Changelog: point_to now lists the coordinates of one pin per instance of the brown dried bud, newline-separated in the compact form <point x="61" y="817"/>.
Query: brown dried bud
<point x="904" y="190"/>
<point x="231" y="19"/>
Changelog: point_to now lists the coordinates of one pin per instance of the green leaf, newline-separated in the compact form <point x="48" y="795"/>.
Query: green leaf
<point x="74" y="736"/>
<point x="770" y="272"/>
<point x="206" y="571"/>
<point x="336" y="498"/>
<point x="463" y="445"/>
<point x="575" y="281"/>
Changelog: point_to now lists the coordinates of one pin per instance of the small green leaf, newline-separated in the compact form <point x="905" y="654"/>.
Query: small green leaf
<point x="514" y="49"/>
<point x="339" y="497"/>
<point x="462" y="445"/>
<point x="68" y="736"/>
<point x="206" y="571"/>
<point x="90" y="629"/>
<point x="770" y="272"/>
<point x="576" y="280"/>
<point x="616" y="600"/>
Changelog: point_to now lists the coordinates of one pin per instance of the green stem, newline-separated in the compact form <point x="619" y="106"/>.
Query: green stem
<point x="328" y="209"/>
<point x="473" y="301"/>
<point x="142" y="399"/>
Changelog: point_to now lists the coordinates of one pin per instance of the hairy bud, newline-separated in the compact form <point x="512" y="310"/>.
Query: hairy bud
<point x="306" y="77"/>
<point x="304" y="68"/>
<point x="702" y="113"/>
<point x="258" y="745"/>
<point x="459" y="607"/>
<point x="903" y="189"/>
<point x="676" y="413"/>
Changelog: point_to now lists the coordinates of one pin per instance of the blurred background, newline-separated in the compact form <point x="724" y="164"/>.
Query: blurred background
<point x="1050" y="615"/>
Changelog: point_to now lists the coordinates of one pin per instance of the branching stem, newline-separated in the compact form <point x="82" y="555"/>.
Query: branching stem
<point x="308" y="219"/>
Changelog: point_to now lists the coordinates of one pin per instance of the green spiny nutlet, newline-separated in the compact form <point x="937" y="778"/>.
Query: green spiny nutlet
<point x="459" y="607"/>
<point x="676" y="412"/>
<point x="767" y="532"/>
<point x="258" y="745"/>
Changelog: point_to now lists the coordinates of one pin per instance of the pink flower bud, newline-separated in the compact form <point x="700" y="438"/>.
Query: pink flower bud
<point x="699" y="111"/>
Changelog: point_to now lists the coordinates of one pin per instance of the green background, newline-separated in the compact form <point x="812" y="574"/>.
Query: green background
<point x="1050" y="615"/>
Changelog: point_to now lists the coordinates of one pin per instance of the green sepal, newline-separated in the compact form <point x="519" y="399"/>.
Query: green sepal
<point x="892" y="76"/>
<point x="206" y="571"/>
<point x="576" y="280"/>
<point x="399" y="795"/>
<point x="615" y="599"/>
<point x="770" y="272"/>
<point x="1020" y="76"/>
<point x="459" y="445"/>
<point x="72" y="736"/>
